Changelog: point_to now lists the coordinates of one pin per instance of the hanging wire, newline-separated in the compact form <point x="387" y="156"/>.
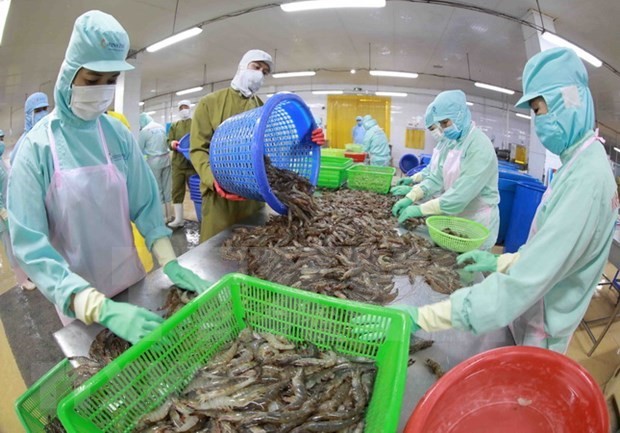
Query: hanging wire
<point x="174" y="23"/>
<point x="542" y="21"/>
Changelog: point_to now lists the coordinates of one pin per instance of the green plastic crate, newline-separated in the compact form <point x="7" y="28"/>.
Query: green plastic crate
<point x="328" y="151"/>
<point x="371" y="178"/>
<point x="139" y="380"/>
<point x="333" y="172"/>
<point x="40" y="401"/>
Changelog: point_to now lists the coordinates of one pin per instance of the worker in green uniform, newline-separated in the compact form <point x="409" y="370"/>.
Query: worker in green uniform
<point x="219" y="208"/>
<point x="182" y="168"/>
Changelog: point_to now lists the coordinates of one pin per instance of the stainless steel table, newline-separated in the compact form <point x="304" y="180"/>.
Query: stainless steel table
<point x="450" y="348"/>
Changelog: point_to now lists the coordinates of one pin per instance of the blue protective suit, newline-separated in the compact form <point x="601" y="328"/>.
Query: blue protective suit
<point x="547" y="291"/>
<point x="78" y="144"/>
<point x="376" y="143"/>
<point x="358" y="132"/>
<point x="34" y="101"/>
<point x="153" y="142"/>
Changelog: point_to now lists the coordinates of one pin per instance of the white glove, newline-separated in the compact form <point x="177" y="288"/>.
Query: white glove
<point x="431" y="207"/>
<point x="416" y="194"/>
<point x="163" y="251"/>
<point x="506" y="261"/>
<point x="4" y="214"/>
<point x="417" y="178"/>
<point x="435" y="317"/>
<point x="87" y="305"/>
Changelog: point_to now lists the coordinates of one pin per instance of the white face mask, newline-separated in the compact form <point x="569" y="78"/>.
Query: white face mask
<point x="249" y="81"/>
<point x="90" y="102"/>
<point x="437" y="133"/>
<point x="184" y="113"/>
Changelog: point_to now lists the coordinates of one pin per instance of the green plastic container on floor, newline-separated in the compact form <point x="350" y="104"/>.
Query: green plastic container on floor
<point x="39" y="403"/>
<point x="333" y="171"/>
<point x="140" y="380"/>
<point x="371" y="178"/>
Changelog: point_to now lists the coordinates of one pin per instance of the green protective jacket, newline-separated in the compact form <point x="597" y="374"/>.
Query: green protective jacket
<point x="4" y="180"/>
<point x="177" y="130"/>
<point x="560" y="266"/>
<point x="210" y="112"/>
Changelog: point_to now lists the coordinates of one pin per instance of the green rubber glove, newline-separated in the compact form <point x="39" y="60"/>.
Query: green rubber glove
<point x="128" y="321"/>
<point x="400" y="190"/>
<point x="184" y="278"/>
<point x="483" y="261"/>
<point x="405" y="181"/>
<point x="413" y="313"/>
<point x="400" y="205"/>
<point x="410" y="212"/>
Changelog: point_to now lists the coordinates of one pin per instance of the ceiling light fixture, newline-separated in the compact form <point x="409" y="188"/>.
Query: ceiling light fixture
<point x="330" y="4"/>
<point x="396" y="74"/>
<point x="294" y="74"/>
<point x="471" y="104"/>
<point x="561" y="42"/>
<point x="186" y="91"/>
<point x="327" y="92"/>
<point x="398" y="94"/>
<point x="523" y="116"/>
<point x="494" y="88"/>
<point x="150" y="113"/>
<point x="174" y="39"/>
<point x="141" y="103"/>
<point x="4" y="14"/>
<point x="616" y="149"/>
<point x="353" y="71"/>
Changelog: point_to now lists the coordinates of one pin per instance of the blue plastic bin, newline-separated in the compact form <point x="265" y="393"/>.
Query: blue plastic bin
<point x="506" y="198"/>
<point x="184" y="146"/>
<point x="195" y="195"/>
<point x="527" y="198"/>
<point x="408" y="162"/>
<point x="281" y="130"/>
<point x="506" y="165"/>
<point x="425" y="158"/>
<point x="515" y="175"/>
<point x="417" y="169"/>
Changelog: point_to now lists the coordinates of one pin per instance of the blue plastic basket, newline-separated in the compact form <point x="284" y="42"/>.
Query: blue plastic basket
<point x="408" y="162"/>
<point x="194" y="188"/>
<point x="415" y="170"/>
<point x="184" y="146"/>
<point x="281" y="129"/>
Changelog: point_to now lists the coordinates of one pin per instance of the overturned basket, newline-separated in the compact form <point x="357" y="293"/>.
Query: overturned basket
<point x="468" y="236"/>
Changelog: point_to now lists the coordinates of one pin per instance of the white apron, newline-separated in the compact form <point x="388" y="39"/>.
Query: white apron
<point x="529" y="328"/>
<point x="88" y="216"/>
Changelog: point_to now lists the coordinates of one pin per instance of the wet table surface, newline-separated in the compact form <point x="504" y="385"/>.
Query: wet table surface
<point x="450" y="347"/>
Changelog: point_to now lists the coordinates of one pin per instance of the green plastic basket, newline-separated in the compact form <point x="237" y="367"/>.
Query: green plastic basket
<point x="475" y="233"/>
<point x="40" y="401"/>
<point x="354" y="148"/>
<point x="371" y="178"/>
<point x="328" y="151"/>
<point x="333" y="172"/>
<point x="140" y="379"/>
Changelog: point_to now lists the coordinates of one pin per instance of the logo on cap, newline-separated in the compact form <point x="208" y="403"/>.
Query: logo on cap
<point x="113" y="46"/>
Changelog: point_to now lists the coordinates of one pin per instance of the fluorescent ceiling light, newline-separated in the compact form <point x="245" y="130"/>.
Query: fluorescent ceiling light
<point x="192" y="90"/>
<point x="524" y="116"/>
<point x="471" y="104"/>
<point x="151" y="112"/>
<point x="561" y="42"/>
<point x="353" y="71"/>
<point x="294" y="74"/>
<point x="394" y="74"/>
<point x="269" y="95"/>
<point x="141" y="103"/>
<point x="174" y="39"/>
<point x="616" y="149"/>
<point x="4" y="14"/>
<point x="327" y="92"/>
<point x="399" y="94"/>
<point x="331" y="4"/>
<point x="495" y="88"/>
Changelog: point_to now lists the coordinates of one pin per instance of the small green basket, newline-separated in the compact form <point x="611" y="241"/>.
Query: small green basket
<point x="333" y="152"/>
<point x="333" y="172"/>
<point x="140" y="380"/>
<point x="371" y="178"/>
<point x="35" y="407"/>
<point x="474" y="234"/>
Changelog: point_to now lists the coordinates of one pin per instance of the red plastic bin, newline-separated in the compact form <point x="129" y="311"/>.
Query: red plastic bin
<point x="355" y="156"/>
<point x="513" y="390"/>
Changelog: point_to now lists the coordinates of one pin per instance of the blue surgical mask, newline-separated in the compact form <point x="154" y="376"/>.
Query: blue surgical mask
<point x="549" y="133"/>
<point x="452" y="132"/>
<point x="38" y="116"/>
<point x="359" y="123"/>
<point x="2" y="146"/>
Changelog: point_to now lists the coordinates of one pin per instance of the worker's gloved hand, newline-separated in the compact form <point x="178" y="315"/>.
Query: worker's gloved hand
<point x="400" y="190"/>
<point x="175" y="145"/>
<point x="371" y="328"/>
<point x="405" y="181"/>
<point x="483" y="261"/>
<point x="184" y="278"/>
<point x="224" y="194"/>
<point x="128" y="321"/>
<point x="4" y="214"/>
<point x="318" y="137"/>
<point x="410" y="212"/>
<point x="417" y="178"/>
<point x="413" y="313"/>
<point x="401" y="205"/>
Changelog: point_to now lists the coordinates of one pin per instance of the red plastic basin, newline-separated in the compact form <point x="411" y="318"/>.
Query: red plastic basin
<point x="513" y="390"/>
<point x="357" y="157"/>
